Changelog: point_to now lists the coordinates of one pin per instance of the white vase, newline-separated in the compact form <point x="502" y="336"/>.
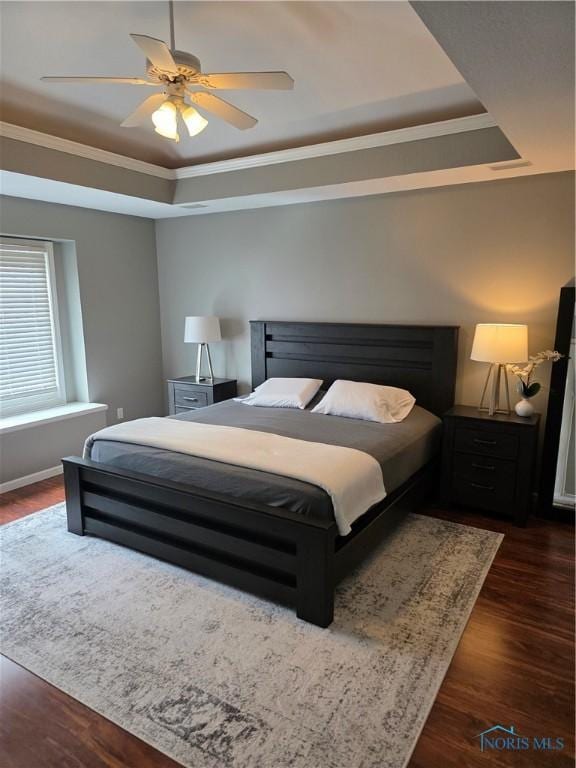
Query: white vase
<point x="524" y="408"/>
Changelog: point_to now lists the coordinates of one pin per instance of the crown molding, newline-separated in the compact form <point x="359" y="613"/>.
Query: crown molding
<point x="48" y="141"/>
<point x="354" y="144"/>
<point x="370" y="141"/>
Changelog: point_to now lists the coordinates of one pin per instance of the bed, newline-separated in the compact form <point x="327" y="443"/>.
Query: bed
<point x="264" y="533"/>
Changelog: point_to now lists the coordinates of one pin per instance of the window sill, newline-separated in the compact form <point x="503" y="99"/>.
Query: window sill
<point x="61" y="412"/>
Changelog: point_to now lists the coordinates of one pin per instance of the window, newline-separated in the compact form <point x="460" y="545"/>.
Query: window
<point x="31" y="372"/>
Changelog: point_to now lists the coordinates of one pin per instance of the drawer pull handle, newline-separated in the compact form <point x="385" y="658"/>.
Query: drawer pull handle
<point x="484" y="442"/>
<point x="191" y="399"/>
<point x="487" y="467"/>
<point x="484" y="487"/>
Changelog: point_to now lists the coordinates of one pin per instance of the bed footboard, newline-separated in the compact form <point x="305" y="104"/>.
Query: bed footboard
<point x="273" y="552"/>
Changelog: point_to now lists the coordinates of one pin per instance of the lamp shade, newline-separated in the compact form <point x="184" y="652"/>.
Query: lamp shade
<point x="202" y="330"/>
<point x="500" y="343"/>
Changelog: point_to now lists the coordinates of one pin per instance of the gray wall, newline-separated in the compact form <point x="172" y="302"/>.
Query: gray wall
<point x="473" y="253"/>
<point x="476" y="147"/>
<point x="118" y="289"/>
<point x="35" y="160"/>
<point x="466" y="254"/>
<point x="34" y="449"/>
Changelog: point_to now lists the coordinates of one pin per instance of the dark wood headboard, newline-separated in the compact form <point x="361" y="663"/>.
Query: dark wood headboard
<point x="419" y="358"/>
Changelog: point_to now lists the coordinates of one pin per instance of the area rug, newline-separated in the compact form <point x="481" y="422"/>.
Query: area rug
<point x="216" y="678"/>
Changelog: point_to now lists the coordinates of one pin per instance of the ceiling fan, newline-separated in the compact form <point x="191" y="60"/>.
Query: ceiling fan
<point x="179" y="74"/>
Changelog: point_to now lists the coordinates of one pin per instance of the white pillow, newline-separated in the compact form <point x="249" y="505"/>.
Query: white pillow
<point x="283" y="393"/>
<point x="371" y="402"/>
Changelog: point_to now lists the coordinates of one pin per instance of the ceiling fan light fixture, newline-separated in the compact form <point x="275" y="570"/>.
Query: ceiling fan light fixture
<point x="165" y="121"/>
<point x="194" y="121"/>
<point x="179" y="73"/>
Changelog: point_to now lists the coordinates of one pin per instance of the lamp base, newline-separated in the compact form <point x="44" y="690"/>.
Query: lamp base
<point x="200" y="378"/>
<point x="496" y="373"/>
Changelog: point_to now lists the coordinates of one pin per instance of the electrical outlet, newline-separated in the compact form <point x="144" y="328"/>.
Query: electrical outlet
<point x="119" y="413"/>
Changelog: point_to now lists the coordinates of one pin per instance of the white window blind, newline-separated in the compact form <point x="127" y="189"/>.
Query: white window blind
<point x="31" y="375"/>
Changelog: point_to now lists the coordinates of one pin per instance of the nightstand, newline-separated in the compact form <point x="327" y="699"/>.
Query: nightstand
<point x="186" y="394"/>
<point x="488" y="461"/>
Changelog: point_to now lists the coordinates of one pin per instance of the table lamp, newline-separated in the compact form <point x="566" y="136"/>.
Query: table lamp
<point x="201" y="331"/>
<point x="498" y="344"/>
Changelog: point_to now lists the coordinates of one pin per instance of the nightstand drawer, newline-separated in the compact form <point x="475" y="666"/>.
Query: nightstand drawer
<point x="495" y="494"/>
<point x="486" y="442"/>
<point x="186" y="394"/>
<point x="484" y="469"/>
<point x="189" y="397"/>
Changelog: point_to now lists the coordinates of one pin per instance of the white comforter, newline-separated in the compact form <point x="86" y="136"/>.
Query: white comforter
<point x="352" y="478"/>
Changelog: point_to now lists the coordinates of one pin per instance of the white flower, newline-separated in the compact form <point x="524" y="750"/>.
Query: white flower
<point x="524" y="373"/>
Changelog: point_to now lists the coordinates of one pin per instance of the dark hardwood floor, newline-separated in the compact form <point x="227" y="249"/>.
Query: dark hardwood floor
<point x="514" y="665"/>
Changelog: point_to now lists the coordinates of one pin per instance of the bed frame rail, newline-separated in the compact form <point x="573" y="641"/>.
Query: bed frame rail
<point x="271" y="552"/>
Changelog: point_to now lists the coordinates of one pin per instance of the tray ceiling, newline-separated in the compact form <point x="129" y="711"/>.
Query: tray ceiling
<point x="359" y="68"/>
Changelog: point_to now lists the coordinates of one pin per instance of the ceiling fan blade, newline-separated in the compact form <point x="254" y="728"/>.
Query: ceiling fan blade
<point x="157" y="52"/>
<point x="143" y="112"/>
<point x="278" y="81"/>
<point x="127" y="80"/>
<point x="222" y="109"/>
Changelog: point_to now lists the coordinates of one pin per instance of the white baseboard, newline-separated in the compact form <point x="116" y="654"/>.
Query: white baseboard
<point x="19" y="482"/>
